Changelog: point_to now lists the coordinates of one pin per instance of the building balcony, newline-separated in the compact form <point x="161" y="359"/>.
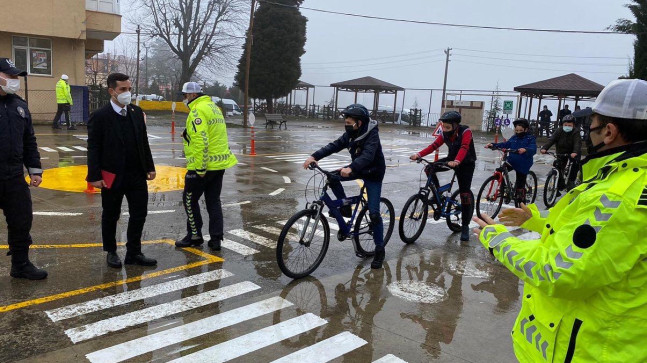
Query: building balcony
<point x="102" y="19"/>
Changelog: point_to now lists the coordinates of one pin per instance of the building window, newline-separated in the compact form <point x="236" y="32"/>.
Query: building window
<point x="33" y="54"/>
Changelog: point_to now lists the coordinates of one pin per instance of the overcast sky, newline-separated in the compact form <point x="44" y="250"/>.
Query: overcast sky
<point x="411" y="55"/>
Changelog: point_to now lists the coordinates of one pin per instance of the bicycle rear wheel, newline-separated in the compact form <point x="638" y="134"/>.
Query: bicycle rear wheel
<point x="531" y="189"/>
<point x="490" y="197"/>
<point x="413" y="218"/>
<point x="550" y="189"/>
<point x="363" y="233"/>
<point x="299" y="257"/>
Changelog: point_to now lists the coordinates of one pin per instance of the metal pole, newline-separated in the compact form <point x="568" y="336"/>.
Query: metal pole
<point x="307" y="102"/>
<point x="137" y="65"/>
<point x="404" y="95"/>
<point x="146" y="65"/>
<point x="442" y="105"/>
<point x="431" y="92"/>
<point x="395" y="101"/>
<point x="248" y="61"/>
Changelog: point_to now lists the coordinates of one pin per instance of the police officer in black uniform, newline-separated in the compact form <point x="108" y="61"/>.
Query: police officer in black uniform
<point x="17" y="148"/>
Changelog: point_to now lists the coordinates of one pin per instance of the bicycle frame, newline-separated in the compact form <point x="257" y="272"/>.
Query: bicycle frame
<point x="345" y="228"/>
<point x="437" y="192"/>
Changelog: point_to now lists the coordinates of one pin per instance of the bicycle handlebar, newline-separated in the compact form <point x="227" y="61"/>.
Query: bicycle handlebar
<point x="511" y="151"/>
<point x="557" y="155"/>
<point x="329" y="174"/>
<point x="439" y="163"/>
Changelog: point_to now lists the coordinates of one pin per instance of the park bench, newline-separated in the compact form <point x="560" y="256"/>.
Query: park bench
<point x="274" y="119"/>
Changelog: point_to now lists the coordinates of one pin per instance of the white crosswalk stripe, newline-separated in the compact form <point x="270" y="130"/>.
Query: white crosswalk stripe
<point x="80" y="148"/>
<point x="237" y="247"/>
<point x="252" y="237"/>
<point x="117" y="323"/>
<point x="107" y="302"/>
<point x="48" y="149"/>
<point x="325" y="350"/>
<point x="251" y="342"/>
<point x="63" y="148"/>
<point x="181" y="333"/>
<point x="389" y="358"/>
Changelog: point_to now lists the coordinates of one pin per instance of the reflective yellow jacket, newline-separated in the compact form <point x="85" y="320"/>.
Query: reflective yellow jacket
<point x="63" y="94"/>
<point x="585" y="279"/>
<point x="205" y="138"/>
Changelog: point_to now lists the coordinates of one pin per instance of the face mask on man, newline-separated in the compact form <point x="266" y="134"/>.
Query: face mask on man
<point x="12" y="85"/>
<point x="350" y="129"/>
<point x="124" y="98"/>
<point x="520" y="134"/>
<point x="568" y="128"/>
<point x="592" y="149"/>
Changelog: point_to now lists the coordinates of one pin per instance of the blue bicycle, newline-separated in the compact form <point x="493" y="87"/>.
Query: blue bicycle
<point x="440" y="199"/>
<point x="304" y="240"/>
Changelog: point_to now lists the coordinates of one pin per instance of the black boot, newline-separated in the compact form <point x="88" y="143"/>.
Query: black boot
<point x="189" y="241"/>
<point x="466" y="215"/>
<point x="465" y="233"/>
<point x="113" y="260"/>
<point x="378" y="258"/>
<point x="27" y="270"/>
<point x="521" y="196"/>
<point x="139" y="259"/>
<point x="214" y="243"/>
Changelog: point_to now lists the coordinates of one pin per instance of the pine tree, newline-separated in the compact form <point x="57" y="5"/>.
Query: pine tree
<point x="637" y="68"/>
<point x="279" y="37"/>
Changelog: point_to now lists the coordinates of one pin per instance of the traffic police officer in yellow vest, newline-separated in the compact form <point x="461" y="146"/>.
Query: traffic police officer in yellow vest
<point x="207" y="155"/>
<point x="64" y="102"/>
<point x="585" y="279"/>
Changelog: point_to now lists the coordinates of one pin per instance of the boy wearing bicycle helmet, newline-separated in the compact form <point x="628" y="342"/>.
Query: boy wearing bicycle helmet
<point x="362" y="140"/>
<point x="567" y="141"/>
<point x="526" y="146"/>
<point x="461" y="157"/>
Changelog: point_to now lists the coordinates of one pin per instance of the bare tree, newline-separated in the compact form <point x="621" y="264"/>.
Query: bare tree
<point x="199" y="32"/>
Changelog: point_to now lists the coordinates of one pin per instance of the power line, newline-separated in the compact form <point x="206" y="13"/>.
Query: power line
<point x="538" y="55"/>
<point x="533" y="68"/>
<point x="373" y="58"/>
<point x="544" y="62"/>
<point x="377" y="69"/>
<point x="381" y="63"/>
<point x="597" y="32"/>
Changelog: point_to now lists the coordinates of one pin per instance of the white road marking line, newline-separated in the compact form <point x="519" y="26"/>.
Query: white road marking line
<point x="63" y="148"/>
<point x="153" y="137"/>
<point x="287" y="180"/>
<point x="241" y="164"/>
<point x="117" y="323"/>
<point x="111" y="301"/>
<point x="252" y="237"/>
<point x="251" y="342"/>
<point x="57" y="214"/>
<point x="80" y="148"/>
<point x="294" y="158"/>
<point x="325" y="350"/>
<point x="277" y="192"/>
<point x="79" y="156"/>
<point x="280" y="157"/>
<point x="331" y="223"/>
<point x="149" y="343"/>
<point x="268" y="169"/>
<point x="238" y="248"/>
<point x="390" y="358"/>
<point x="48" y="149"/>
<point x="82" y="137"/>
<point x="235" y="204"/>
<point x="269" y="229"/>
<point x="154" y="212"/>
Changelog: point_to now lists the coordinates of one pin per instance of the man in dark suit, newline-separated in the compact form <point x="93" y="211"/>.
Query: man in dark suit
<point x="120" y="162"/>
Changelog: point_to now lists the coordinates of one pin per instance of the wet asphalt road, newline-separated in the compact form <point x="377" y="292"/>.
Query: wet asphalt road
<point x="435" y="300"/>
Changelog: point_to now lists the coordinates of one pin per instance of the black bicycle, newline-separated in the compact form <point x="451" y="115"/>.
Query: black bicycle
<point x="498" y="189"/>
<point x="304" y="240"/>
<point x="440" y="199"/>
<point x="557" y="180"/>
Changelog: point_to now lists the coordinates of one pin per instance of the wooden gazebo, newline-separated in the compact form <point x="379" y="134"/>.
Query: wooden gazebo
<point x="368" y="85"/>
<point x="302" y="86"/>
<point x="567" y="87"/>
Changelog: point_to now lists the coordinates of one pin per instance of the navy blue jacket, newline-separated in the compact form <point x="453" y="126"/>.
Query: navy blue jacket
<point x="17" y="141"/>
<point x="365" y="151"/>
<point x="520" y="162"/>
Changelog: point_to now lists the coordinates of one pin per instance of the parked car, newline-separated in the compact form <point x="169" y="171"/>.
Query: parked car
<point x="231" y="107"/>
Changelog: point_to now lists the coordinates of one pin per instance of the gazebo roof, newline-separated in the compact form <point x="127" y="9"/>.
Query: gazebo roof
<point x="367" y="84"/>
<point x="567" y="85"/>
<point x="304" y="85"/>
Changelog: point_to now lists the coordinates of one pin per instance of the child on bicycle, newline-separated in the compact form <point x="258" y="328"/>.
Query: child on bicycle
<point x="567" y="142"/>
<point x="526" y="146"/>
<point x="461" y="157"/>
<point x="362" y="140"/>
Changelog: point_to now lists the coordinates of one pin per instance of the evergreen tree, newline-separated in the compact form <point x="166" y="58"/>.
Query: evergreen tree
<point x="637" y="68"/>
<point x="279" y="37"/>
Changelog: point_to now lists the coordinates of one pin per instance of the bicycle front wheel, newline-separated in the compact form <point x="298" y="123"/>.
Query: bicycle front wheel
<point x="413" y="219"/>
<point x="363" y="233"/>
<point x="490" y="197"/>
<point x="550" y="189"/>
<point x="299" y="251"/>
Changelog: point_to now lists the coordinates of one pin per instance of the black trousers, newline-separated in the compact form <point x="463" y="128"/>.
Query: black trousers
<point x="135" y="189"/>
<point x="464" y="175"/>
<point x="210" y="185"/>
<point x="544" y="125"/>
<point x="15" y="202"/>
<point x="62" y="107"/>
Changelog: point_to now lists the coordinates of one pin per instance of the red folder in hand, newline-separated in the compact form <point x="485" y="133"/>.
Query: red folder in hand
<point x="108" y="178"/>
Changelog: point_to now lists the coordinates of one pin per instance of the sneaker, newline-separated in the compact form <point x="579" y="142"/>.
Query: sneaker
<point x="139" y="259"/>
<point x="112" y="259"/>
<point x="189" y="241"/>
<point x="27" y="270"/>
<point x="378" y="259"/>
<point x="465" y="233"/>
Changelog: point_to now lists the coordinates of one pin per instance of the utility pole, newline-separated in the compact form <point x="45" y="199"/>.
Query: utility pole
<point x="248" y="61"/>
<point x="442" y="105"/>
<point x="137" y="65"/>
<point x="146" y="65"/>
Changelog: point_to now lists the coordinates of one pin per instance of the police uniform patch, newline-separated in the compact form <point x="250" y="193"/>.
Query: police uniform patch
<point x="197" y="121"/>
<point x="21" y="111"/>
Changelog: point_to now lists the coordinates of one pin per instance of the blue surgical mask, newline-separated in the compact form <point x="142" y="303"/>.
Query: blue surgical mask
<point x="568" y="128"/>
